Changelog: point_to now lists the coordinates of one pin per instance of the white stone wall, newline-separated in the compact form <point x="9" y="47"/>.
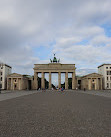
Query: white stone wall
<point x="5" y="72"/>
<point x="106" y="78"/>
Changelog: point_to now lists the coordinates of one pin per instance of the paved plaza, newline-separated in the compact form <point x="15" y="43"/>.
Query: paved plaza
<point x="55" y="114"/>
<point x="14" y="94"/>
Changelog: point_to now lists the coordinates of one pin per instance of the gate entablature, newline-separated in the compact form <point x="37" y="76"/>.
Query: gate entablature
<point x="54" y="67"/>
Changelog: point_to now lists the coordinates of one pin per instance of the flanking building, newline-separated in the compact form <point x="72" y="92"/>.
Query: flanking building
<point x="5" y="70"/>
<point x="92" y="81"/>
<point x="105" y="70"/>
<point x="19" y="82"/>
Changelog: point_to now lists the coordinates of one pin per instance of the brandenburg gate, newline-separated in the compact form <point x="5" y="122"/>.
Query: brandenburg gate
<point x="54" y="67"/>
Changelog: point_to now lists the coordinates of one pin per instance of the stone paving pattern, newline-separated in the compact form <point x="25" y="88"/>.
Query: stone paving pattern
<point x="13" y="94"/>
<point x="56" y="114"/>
<point x="104" y="93"/>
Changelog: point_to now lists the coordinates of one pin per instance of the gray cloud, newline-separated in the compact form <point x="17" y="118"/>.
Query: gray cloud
<point x="25" y="25"/>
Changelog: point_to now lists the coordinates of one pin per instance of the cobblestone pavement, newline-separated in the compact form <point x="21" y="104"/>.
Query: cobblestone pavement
<point x="56" y="114"/>
<point x="13" y="94"/>
<point x="104" y="93"/>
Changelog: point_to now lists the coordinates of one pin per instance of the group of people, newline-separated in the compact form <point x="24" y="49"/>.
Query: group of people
<point x="59" y="89"/>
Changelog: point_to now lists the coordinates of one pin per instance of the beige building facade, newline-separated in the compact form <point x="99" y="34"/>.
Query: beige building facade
<point x="92" y="81"/>
<point x="17" y="82"/>
<point x="54" y="68"/>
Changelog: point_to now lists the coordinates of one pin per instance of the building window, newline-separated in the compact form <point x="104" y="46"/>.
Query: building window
<point x="110" y="78"/>
<point x="107" y="72"/>
<point x="93" y="80"/>
<point x="1" y="78"/>
<point x="0" y="85"/>
<point x="107" y="78"/>
<point x="106" y="67"/>
<point x="110" y="67"/>
<point x="15" y="80"/>
<point x="107" y="85"/>
<point x="1" y="73"/>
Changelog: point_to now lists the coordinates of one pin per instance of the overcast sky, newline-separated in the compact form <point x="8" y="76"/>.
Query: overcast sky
<point x="78" y="31"/>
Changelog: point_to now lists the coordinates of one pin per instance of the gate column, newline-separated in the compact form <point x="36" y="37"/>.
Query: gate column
<point x="73" y="80"/>
<point x="35" y="80"/>
<point x="59" y="80"/>
<point x="42" y="81"/>
<point x="50" y="80"/>
<point x="66" y="80"/>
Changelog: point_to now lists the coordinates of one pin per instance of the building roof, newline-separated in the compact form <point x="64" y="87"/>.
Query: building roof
<point x="5" y="65"/>
<point x="15" y="75"/>
<point x="92" y="74"/>
<point x="103" y="65"/>
<point x="28" y="76"/>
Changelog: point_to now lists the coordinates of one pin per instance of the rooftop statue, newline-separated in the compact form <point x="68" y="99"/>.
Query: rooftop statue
<point x="54" y="60"/>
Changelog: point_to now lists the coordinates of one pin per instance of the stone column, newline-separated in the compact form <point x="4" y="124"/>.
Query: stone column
<point x="17" y="82"/>
<point x="7" y="83"/>
<point x="50" y="84"/>
<point x="35" y="81"/>
<point x="96" y="84"/>
<point x="59" y="80"/>
<point x="42" y="81"/>
<point x="89" y="84"/>
<point x="12" y="84"/>
<point x="66" y="80"/>
<point x="73" y="81"/>
<point x="22" y="84"/>
<point x="101" y="83"/>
